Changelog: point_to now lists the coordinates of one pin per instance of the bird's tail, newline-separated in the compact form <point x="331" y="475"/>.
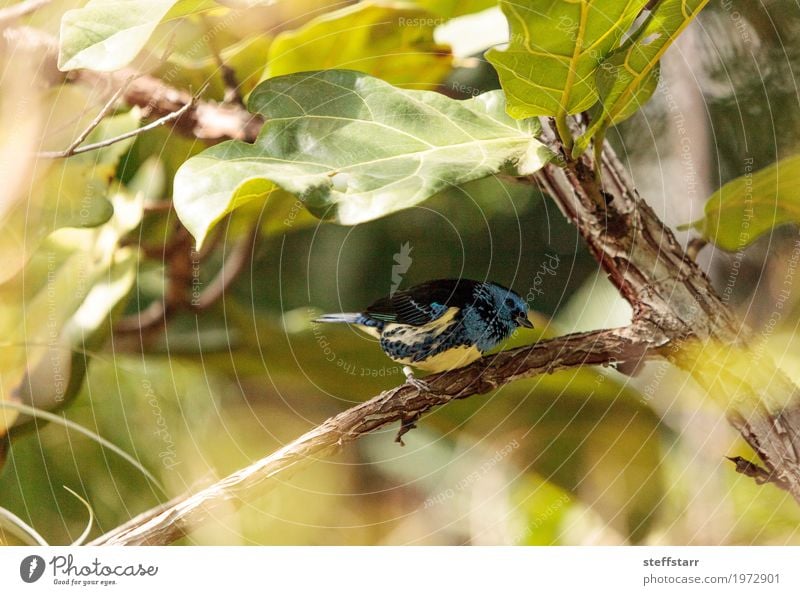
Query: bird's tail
<point x="348" y="317"/>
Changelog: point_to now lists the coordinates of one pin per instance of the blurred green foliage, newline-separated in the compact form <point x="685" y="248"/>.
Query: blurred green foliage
<point x="577" y="457"/>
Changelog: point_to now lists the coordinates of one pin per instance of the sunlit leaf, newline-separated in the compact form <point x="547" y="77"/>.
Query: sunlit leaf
<point x="752" y="204"/>
<point x="630" y="76"/>
<point x="400" y="147"/>
<point x="554" y="51"/>
<point x="393" y="41"/>
<point x="107" y="34"/>
<point x="607" y="77"/>
<point x="454" y="8"/>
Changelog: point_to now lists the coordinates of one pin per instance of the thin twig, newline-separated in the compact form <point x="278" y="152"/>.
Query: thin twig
<point x="176" y="255"/>
<point x="694" y="247"/>
<point x="158" y="206"/>
<point x="107" y="109"/>
<point x="177" y="297"/>
<point x="757" y="472"/>
<point x="152" y="316"/>
<point x="175" y="519"/>
<point x="73" y="149"/>
<point x="232" y="93"/>
<point x="231" y="268"/>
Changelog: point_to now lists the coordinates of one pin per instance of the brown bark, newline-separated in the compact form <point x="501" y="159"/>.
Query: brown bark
<point x="667" y="289"/>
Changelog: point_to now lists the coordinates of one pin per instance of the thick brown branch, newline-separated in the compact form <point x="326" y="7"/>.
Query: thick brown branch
<point x="638" y="252"/>
<point x="177" y="518"/>
<point x="204" y="120"/>
<point x="666" y="288"/>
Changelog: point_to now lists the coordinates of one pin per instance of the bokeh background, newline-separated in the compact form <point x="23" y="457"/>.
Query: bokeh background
<point x="587" y="456"/>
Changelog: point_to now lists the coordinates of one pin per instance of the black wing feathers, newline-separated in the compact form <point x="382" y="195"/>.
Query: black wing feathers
<point x="418" y="305"/>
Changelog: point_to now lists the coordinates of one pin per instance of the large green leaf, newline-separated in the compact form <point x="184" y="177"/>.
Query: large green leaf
<point x="390" y="40"/>
<point x="630" y="76"/>
<point x="744" y="208"/>
<point x="453" y="8"/>
<point x="107" y="34"/>
<point x="354" y="148"/>
<point x="555" y="49"/>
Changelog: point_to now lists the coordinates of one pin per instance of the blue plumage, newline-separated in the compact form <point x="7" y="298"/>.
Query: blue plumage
<point x="442" y="324"/>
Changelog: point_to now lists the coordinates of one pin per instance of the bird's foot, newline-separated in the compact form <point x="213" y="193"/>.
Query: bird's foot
<point x="412" y="380"/>
<point x="420" y="385"/>
<point x="406" y="425"/>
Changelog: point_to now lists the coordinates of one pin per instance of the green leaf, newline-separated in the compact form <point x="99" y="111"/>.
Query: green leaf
<point x="390" y="40"/>
<point x="631" y="75"/>
<point x="744" y="208"/>
<point x="555" y="49"/>
<point x="354" y="148"/>
<point x="607" y="77"/>
<point x="454" y="8"/>
<point x="106" y="35"/>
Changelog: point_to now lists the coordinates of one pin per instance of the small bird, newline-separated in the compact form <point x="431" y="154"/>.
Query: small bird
<point x="440" y="325"/>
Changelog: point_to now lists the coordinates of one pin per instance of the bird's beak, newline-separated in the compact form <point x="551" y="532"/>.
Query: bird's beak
<point x="522" y="320"/>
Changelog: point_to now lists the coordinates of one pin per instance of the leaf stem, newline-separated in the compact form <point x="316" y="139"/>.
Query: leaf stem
<point x="564" y="132"/>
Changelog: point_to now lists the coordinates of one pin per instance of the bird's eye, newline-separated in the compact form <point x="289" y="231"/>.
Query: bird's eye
<point x="509" y="302"/>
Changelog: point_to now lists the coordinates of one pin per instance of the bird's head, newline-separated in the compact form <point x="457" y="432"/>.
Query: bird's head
<point x="510" y="307"/>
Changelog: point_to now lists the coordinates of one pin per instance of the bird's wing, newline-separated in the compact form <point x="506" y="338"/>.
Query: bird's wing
<point x="423" y="303"/>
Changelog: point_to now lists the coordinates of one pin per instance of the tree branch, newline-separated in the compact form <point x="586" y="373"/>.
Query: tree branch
<point x="107" y="109"/>
<point x="666" y="287"/>
<point x="759" y="474"/>
<point x="204" y="120"/>
<point x="175" y="519"/>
